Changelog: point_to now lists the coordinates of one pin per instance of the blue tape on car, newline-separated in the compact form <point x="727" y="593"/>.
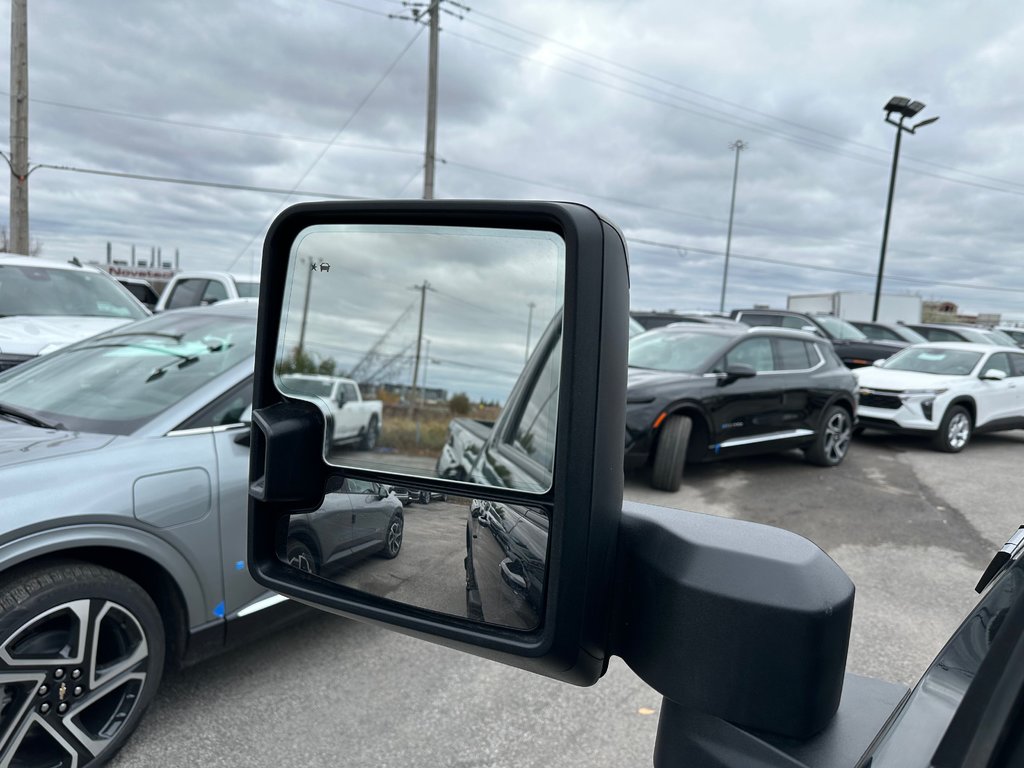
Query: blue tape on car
<point x="240" y="565"/>
<point x="218" y="610"/>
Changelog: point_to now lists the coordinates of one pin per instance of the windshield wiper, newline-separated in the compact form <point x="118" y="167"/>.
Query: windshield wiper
<point x="186" y="360"/>
<point x="176" y="336"/>
<point x="28" y="418"/>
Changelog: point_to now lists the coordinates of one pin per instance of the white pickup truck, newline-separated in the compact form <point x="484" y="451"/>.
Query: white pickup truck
<point x="356" y="421"/>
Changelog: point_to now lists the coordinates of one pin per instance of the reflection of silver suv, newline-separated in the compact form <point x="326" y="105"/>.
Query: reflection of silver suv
<point x="123" y="469"/>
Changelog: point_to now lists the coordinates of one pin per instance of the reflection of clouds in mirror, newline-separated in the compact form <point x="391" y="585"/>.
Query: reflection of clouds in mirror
<point x="488" y="292"/>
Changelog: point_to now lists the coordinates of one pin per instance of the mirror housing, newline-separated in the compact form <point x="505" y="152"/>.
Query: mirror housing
<point x="736" y="371"/>
<point x="289" y="473"/>
<point x="993" y="375"/>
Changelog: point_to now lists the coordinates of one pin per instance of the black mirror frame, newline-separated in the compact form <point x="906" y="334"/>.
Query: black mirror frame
<point x="288" y="471"/>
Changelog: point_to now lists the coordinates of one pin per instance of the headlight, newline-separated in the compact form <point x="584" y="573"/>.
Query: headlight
<point x="907" y="393"/>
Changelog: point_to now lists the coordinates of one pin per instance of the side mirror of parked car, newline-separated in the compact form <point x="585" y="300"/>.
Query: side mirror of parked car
<point x="529" y="557"/>
<point x="736" y="371"/>
<point x="993" y="374"/>
<point x="880" y="363"/>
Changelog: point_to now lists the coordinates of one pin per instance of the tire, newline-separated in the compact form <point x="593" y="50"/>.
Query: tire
<point x="832" y="442"/>
<point x="82" y="652"/>
<point x="369" y="439"/>
<point x="955" y="430"/>
<point x="393" y="537"/>
<point x="670" y="456"/>
<point x="301" y="556"/>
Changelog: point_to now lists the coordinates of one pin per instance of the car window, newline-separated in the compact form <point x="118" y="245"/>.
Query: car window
<point x="879" y="333"/>
<point x="352" y="485"/>
<point x="794" y="355"/>
<point x="215" y="291"/>
<point x="187" y="293"/>
<point x="756" y="318"/>
<point x="1017" y="361"/>
<point x="247" y="289"/>
<point x="940" y="334"/>
<point x="351" y="393"/>
<point x="534" y="435"/>
<point x="1000" y="361"/>
<point x="840" y="329"/>
<point x="225" y="410"/>
<point x="757" y="353"/>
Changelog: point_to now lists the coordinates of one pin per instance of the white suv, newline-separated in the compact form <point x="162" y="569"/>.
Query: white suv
<point x="947" y="391"/>
<point x="45" y="305"/>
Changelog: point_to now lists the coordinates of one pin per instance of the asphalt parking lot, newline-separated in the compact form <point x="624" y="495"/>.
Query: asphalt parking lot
<point x="913" y="528"/>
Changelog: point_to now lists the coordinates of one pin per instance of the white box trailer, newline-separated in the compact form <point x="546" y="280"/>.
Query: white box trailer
<point x="855" y="305"/>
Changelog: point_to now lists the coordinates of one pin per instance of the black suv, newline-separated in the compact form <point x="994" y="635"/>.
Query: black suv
<point x="853" y="347"/>
<point x="699" y="392"/>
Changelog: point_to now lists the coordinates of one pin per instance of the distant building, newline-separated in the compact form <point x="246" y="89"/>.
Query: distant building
<point x="949" y="312"/>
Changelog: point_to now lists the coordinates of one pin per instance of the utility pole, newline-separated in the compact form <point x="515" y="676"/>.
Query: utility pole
<point x="416" y="366"/>
<point x="529" y="332"/>
<point x="739" y="145"/>
<point x="19" y="127"/>
<point x="419" y="338"/>
<point x="305" y="313"/>
<point x="428" y="167"/>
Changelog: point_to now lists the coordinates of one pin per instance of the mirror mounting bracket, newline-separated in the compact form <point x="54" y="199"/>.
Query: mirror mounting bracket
<point x="774" y="613"/>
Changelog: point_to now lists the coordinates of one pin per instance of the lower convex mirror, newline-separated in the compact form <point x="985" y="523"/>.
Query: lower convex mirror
<point x="481" y="560"/>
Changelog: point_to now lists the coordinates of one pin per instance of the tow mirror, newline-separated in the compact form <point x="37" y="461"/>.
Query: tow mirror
<point x="526" y="554"/>
<point x="524" y="308"/>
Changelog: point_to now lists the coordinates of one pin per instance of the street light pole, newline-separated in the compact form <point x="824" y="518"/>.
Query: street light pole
<point x="905" y="108"/>
<point x="739" y="145"/>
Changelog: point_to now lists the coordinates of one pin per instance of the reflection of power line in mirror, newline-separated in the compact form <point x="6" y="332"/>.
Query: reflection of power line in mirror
<point x="372" y="352"/>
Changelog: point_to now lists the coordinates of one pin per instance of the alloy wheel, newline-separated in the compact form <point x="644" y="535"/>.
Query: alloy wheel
<point x="70" y="678"/>
<point x="837" y="436"/>
<point x="959" y="430"/>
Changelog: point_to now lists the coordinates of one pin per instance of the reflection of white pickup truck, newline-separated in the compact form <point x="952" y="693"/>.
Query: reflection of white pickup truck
<point x="356" y="421"/>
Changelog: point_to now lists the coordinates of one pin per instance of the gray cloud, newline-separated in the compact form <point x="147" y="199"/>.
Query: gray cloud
<point x="627" y="107"/>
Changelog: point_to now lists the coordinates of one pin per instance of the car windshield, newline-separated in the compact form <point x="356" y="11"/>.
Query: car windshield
<point x="117" y="382"/>
<point x="302" y="385"/>
<point x="945" y="362"/>
<point x="32" y="290"/>
<point x="998" y="337"/>
<point x="673" y="350"/>
<point x="909" y="334"/>
<point x="840" y="329"/>
<point x="247" y="289"/>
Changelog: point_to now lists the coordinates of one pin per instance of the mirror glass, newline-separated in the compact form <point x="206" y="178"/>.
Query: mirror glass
<point x="481" y="560"/>
<point x="411" y="338"/>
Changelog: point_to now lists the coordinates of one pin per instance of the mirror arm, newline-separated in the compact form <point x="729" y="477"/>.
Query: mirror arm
<point x="293" y="469"/>
<point x="737" y="620"/>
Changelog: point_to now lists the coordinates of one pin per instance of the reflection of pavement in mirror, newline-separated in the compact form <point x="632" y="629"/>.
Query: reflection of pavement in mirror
<point x="429" y="571"/>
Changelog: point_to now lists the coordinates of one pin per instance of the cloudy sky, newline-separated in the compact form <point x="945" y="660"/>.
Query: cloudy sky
<point x="629" y="107"/>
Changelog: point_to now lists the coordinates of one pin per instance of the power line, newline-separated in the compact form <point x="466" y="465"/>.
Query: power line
<point x="821" y="268"/>
<point x="344" y="125"/>
<point x="196" y="182"/>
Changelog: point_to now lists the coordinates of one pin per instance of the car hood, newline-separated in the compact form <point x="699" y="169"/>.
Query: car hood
<point x="882" y="378"/>
<point x="37" y="335"/>
<point x="20" y="443"/>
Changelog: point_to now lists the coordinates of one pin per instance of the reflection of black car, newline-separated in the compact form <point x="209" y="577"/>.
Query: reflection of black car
<point x="506" y="555"/>
<point x="853" y="347"/>
<point x="888" y="331"/>
<point x="358" y="518"/>
<point x="702" y="392"/>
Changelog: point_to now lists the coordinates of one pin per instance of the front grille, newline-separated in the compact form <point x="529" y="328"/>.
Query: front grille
<point x="878" y="400"/>
<point x="9" y="361"/>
